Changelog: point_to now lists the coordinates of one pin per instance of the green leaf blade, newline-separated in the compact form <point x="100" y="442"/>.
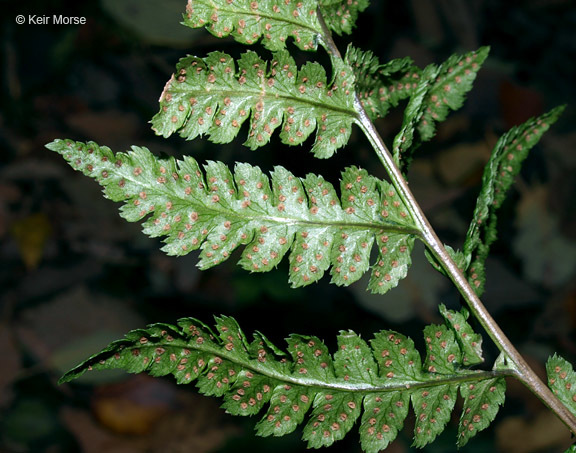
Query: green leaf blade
<point x="214" y="96"/>
<point x="443" y="354"/>
<point x="332" y="417"/>
<point x="562" y="381"/>
<point x="504" y="165"/>
<point x="288" y="407"/>
<point x="515" y="146"/>
<point x="271" y="22"/>
<point x="382" y="86"/>
<point x="482" y="400"/>
<point x="249" y="394"/>
<point x="469" y="341"/>
<point x="383" y="419"/>
<point x="341" y="15"/>
<point x="433" y="407"/>
<point x="232" y="336"/>
<point x="396" y="355"/>
<point x="353" y="361"/>
<point x="220" y="379"/>
<point x="376" y="383"/>
<point x="157" y="350"/>
<point x="449" y="89"/>
<point x="217" y="211"/>
<point x="406" y="141"/>
<point x="311" y="358"/>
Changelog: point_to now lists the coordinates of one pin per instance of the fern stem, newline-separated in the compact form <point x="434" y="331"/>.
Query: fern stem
<point x="523" y="372"/>
<point x="326" y="36"/>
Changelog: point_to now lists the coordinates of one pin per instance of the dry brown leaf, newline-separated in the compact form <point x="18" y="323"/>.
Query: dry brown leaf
<point x="133" y="406"/>
<point x="96" y="439"/>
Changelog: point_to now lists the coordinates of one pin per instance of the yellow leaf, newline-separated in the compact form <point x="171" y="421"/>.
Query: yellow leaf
<point x="31" y="234"/>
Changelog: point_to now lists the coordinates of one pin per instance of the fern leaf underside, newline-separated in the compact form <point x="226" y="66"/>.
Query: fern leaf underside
<point x="273" y="22"/>
<point x="214" y="97"/>
<point x="504" y="165"/>
<point x="341" y="15"/>
<point x="374" y="383"/>
<point x="218" y="211"/>
<point x="381" y="86"/>
<point x="432" y="93"/>
<point x="562" y="381"/>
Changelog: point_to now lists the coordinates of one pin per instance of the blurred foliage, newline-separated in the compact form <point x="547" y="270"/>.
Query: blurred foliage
<point x="96" y="273"/>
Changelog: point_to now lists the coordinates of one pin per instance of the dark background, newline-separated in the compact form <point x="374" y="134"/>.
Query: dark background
<point x="74" y="275"/>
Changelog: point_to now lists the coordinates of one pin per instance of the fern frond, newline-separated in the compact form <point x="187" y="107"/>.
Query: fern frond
<point x="407" y="140"/>
<point x="341" y="15"/>
<point x="505" y="163"/>
<point x="441" y="89"/>
<point x="448" y="92"/>
<point x="211" y="96"/>
<point x="271" y="21"/>
<point x="218" y="211"/>
<point x="382" y="86"/>
<point x="372" y="382"/>
<point x="432" y="93"/>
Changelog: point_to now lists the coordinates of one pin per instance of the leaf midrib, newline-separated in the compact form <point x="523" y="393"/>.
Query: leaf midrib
<point x="404" y="385"/>
<point x="264" y="95"/>
<point x="267" y="16"/>
<point x="280" y="220"/>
